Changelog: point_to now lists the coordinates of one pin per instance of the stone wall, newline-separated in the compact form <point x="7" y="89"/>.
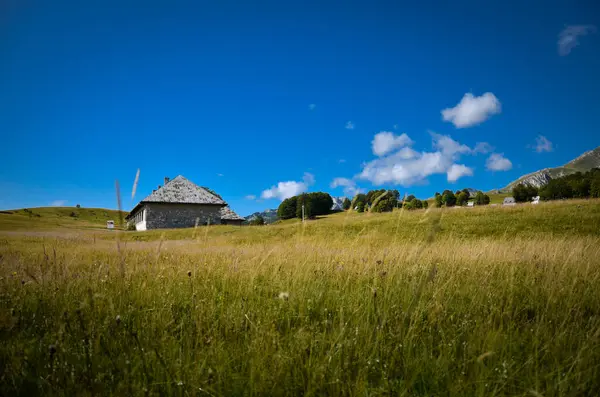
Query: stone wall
<point x="171" y="216"/>
<point x="235" y="222"/>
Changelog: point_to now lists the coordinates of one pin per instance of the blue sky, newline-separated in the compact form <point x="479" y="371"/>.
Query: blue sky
<point x="270" y="98"/>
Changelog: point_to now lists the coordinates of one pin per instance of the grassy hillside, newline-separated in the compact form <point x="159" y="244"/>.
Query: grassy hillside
<point x="57" y="217"/>
<point x="453" y="302"/>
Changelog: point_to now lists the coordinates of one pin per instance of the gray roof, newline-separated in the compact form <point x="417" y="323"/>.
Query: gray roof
<point x="180" y="190"/>
<point x="183" y="191"/>
<point x="228" y="214"/>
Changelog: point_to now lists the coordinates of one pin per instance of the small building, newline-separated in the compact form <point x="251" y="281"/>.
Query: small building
<point x="179" y="203"/>
<point x="536" y="200"/>
<point x="229" y="217"/>
<point x="471" y="204"/>
<point x="509" y="201"/>
<point x="110" y="225"/>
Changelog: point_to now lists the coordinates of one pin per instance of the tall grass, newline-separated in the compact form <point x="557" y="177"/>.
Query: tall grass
<point x="347" y="305"/>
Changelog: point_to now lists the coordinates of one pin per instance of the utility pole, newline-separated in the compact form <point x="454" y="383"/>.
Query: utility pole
<point x="302" y="212"/>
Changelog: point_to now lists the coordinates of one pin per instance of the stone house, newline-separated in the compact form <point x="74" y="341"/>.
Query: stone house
<point x="179" y="203"/>
<point x="509" y="201"/>
<point x="228" y="217"/>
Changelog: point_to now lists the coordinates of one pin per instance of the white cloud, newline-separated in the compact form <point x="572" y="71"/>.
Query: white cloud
<point x="448" y="146"/>
<point x="288" y="189"/>
<point x="568" y="38"/>
<point x="472" y="110"/>
<point x="250" y="197"/>
<point x="350" y="188"/>
<point x="483" y="147"/>
<point x="312" y="106"/>
<point x="341" y="161"/>
<point x="408" y="167"/>
<point x="457" y="171"/>
<point x="349" y="125"/>
<point x="542" y="144"/>
<point x="220" y="175"/>
<point x="58" y="203"/>
<point x="385" y="142"/>
<point x="497" y="162"/>
<point x="308" y="178"/>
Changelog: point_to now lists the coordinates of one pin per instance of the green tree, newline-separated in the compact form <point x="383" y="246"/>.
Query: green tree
<point x="372" y="195"/>
<point x="360" y="207"/>
<point x="462" y="198"/>
<point x="595" y="187"/>
<point x="359" y="198"/>
<point x="438" y="200"/>
<point x="425" y="204"/>
<point x="448" y="198"/>
<point x="320" y="203"/>
<point x="556" y="189"/>
<point x="346" y="204"/>
<point x="413" y="204"/>
<point x="409" y="198"/>
<point x="524" y="193"/>
<point x="466" y="191"/>
<point x="287" y="208"/>
<point x="581" y="187"/>
<point x="303" y="200"/>
<point x="481" y="198"/>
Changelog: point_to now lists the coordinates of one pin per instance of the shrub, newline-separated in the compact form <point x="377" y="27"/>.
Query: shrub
<point x="360" y="207"/>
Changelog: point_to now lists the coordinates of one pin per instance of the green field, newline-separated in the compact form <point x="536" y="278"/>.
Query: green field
<point x="486" y="301"/>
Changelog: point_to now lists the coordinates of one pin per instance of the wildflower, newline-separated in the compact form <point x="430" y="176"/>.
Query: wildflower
<point x="284" y="296"/>
<point x="118" y="319"/>
<point x="180" y="383"/>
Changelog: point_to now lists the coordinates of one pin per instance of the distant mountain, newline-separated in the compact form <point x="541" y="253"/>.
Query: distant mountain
<point x="472" y="192"/>
<point x="583" y="163"/>
<point x="338" y="203"/>
<point x="269" y="216"/>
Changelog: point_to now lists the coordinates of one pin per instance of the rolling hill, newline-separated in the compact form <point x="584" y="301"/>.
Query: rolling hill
<point x="44" y="217"/>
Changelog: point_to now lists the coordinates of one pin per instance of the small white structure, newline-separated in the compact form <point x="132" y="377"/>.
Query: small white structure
<point x="536" y="200"/>
<point x="509" y="201"/>
<point x="110" y="225"/>
<point x="471" y="204"/>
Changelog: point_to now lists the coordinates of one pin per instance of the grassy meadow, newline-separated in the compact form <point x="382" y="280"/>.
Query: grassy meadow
<point x="487" y="301"/>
